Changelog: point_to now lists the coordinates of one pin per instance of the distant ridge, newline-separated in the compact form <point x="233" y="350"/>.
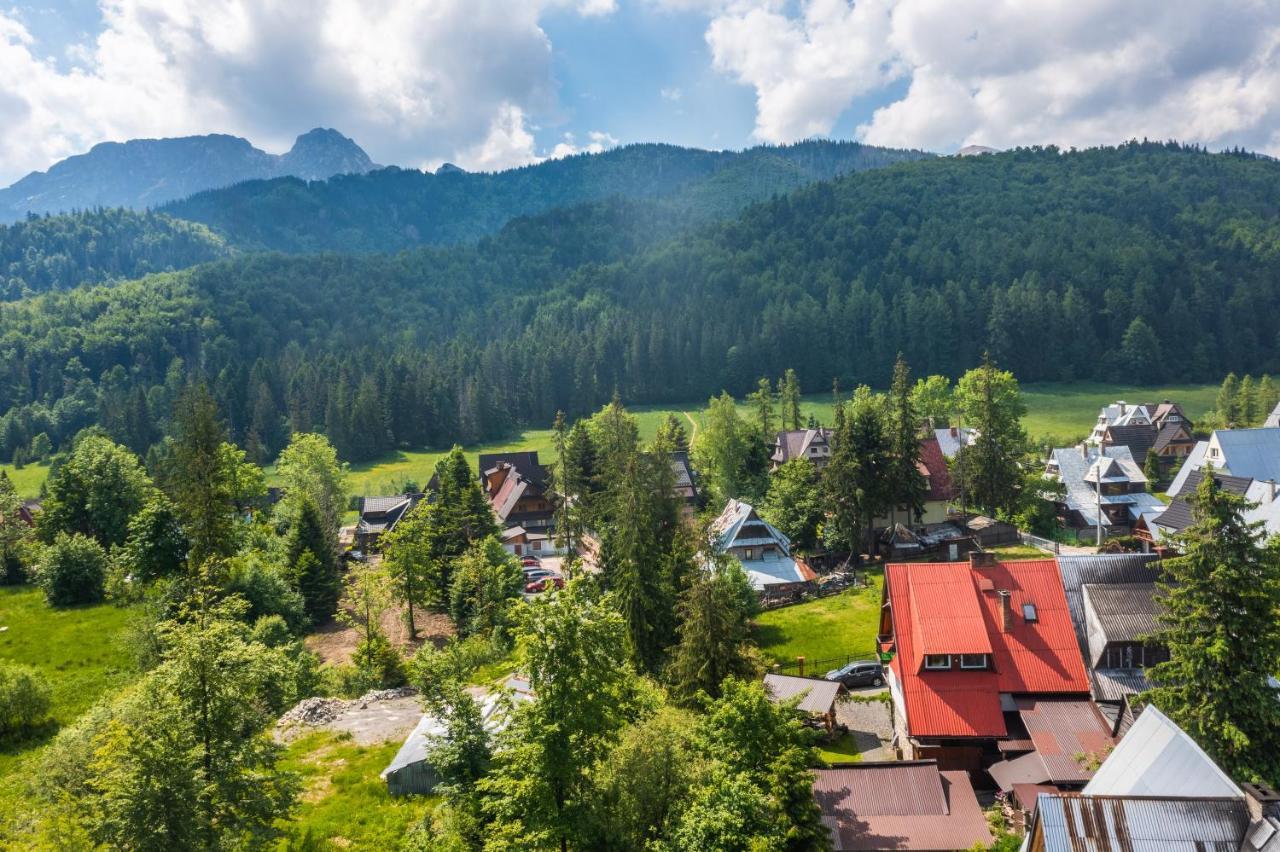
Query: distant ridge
<point x="144" y="173"/>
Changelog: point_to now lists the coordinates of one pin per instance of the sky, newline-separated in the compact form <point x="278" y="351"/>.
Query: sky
<point x="492" y="84"/>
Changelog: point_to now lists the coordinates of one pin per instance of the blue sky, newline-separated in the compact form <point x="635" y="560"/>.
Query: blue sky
<point x="491" y="84"/>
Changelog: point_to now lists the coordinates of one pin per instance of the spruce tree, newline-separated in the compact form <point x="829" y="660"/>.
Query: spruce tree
<point x="1219" y="623"/>
<point x="1151" y="469"/>
<point x="989" y="469"/>
<point x="1247" y="402"/>
<point x="762" y="404"/>
<point x="313" y="558"/>
<point x="1268" y="396"/>
<point x="714" y="634"/>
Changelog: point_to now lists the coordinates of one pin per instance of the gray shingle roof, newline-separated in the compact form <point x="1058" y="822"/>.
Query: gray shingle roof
<point x="1099" y="569"/>
<point x="1125" y="611"/>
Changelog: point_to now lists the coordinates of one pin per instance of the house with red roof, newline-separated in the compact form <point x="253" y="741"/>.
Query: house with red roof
<point x="977" y="646"/>
<point x="939" y="490"/>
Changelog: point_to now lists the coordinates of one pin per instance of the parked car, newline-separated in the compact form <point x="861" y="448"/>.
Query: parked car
<point x="530" y="562"/>
<point x="355" y="556"/>
<point x="859" y="673"/>
<point x="554" y="581"/>
<point x="537" y="574"/>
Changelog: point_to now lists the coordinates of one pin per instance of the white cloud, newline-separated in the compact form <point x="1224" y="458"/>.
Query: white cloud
<point x="673" y="94"/>
<point x="413" y="81"/>
<point x="1006" y="72"/>
<point x="510" y="143"/>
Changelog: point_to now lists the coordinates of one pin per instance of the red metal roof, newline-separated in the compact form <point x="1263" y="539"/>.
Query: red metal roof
<point x="935" y="467"/>
<point x="900" y="805"/>
<point x="933" y="611"/>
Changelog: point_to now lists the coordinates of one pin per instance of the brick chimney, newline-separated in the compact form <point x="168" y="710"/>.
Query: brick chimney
<point x="981" y="559"/>
<point x="1006" y="610"/>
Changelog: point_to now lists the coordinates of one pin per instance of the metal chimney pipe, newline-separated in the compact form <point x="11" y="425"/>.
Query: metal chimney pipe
<point x="1006" y="610"/>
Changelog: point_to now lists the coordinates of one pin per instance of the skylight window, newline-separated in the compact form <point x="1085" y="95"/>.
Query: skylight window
<point x="1029" y="612"/>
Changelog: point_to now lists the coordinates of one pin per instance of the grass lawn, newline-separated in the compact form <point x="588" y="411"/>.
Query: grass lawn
<point x="1066" y="412"/>
<point x="1020" y="551"/>
<point x="344" y="804"/>
<point x="843" y="749"/>
<point x="822" y="629"/>
<point x="28" y="479"/>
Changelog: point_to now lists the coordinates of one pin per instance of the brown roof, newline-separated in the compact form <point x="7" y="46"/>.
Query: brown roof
<point x="1068" y="736"/>
<point x="1173" y="433"/>
<point x="819" y="694"/>
<point x="899" y="805"/>
<point x="1178" y="516"/>
<point x="795" y="443"/>
<point x="935" y="465"/>
<point x="1138" y="439"/>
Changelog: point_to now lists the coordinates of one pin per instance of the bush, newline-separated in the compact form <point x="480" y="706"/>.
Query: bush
<point x="72" y="570"/>
<point x="25" y="697"/>
<point x="378" y="665"/>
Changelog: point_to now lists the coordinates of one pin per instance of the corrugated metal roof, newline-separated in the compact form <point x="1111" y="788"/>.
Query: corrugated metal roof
<point x="1118" y="684"/>
<point x="1070" y="823"/>
<point x="1124" y="611"/>
<point x="1030" y="657"/>
<point x="1254" y="453"/>
<point x="1067" y="735"/>
<point x="899" y="805"/>
<point x="1100" y="569"/>
<point x="819" y="695"/>
<point x="1157" y="758"/>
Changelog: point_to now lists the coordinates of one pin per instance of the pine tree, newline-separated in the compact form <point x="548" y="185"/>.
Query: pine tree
<point x="1228" y="402"/>
<point x="762" y="403"/>
<point x="856" y="481"/>
<point x="197" y="478"/>
<point x="1268" y="396"/>
<point x="1151" y="469"/>
<point x="714" y="634"/>
<point x="1220" y="600"/>
<point x="789" y="398"/>
<point x="672" y="431"/>
<point x="1247" y="402"/>
<point x="313" y="558"/>
<point x="907" y="483"/>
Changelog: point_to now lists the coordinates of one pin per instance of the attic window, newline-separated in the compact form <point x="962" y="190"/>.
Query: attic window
<point x="937" y="661"/>
<point x="1029" y="613"/>
<point x="973" y="661"/>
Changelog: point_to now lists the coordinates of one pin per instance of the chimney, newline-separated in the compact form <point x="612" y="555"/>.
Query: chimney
<point x="1262" y="800"/>
<point x="955" y="433"/>
<point x="981" y="559"/>
<point x="1271" y="490"/>
<point x="1084" y="451"/>
<point x="1006" y="610"/>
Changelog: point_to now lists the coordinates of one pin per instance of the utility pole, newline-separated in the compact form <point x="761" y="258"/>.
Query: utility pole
<point x="1098" y="476"/>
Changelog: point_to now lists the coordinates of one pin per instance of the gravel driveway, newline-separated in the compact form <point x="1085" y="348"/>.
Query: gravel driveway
<point x="869" y="722"/>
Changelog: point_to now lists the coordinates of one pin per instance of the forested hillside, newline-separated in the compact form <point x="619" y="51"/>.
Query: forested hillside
<point x="1145" y="262"/>
<point x="56" y="252"/>
<point x="394" y="209"/>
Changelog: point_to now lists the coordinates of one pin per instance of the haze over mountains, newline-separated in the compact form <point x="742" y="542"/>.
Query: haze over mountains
<point x="143" y="173"/>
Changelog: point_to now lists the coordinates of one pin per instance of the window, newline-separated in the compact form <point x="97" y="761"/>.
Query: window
<point x="750" y="553"/>
<point x="937" y="661"/>
<point x="1029" y="613"/>
<point x="973" y="661"/>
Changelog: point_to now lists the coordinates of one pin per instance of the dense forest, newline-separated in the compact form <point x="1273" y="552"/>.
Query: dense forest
<point x="56" y="252"/>
<point x="392" y="209"/>
<point x="1148" y="262"/>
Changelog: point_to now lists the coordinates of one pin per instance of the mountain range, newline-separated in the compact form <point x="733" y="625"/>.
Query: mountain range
<point x="142" y="173"/>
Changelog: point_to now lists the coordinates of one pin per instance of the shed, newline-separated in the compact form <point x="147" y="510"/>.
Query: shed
<point x="817" y="696"/>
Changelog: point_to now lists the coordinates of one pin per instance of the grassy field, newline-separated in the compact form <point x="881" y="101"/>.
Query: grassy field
<point x="28" y="479"/>
<point x="822" y="629"/>
<point x="1057" y="414"/>
<point x="344" y="804"/>
<point x="79" y="649"/>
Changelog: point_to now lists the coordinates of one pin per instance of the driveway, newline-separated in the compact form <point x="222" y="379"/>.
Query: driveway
<point x="870" y="722"/>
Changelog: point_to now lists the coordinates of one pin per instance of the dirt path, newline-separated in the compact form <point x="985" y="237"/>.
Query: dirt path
<point x="335" y="642"/>
<point x="693" y="423"/>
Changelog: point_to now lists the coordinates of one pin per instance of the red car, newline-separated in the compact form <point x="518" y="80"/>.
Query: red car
<point x="530" y="562"/>
<point x="544" y="584"/>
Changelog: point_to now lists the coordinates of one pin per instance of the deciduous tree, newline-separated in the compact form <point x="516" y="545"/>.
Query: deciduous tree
<point x="989" y="470"/>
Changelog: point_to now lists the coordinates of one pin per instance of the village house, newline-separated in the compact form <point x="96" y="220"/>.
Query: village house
<point x="812" y="444"/>
<point x="1102" y="486"/>
<point x="983" y="655"/>
<point x="516" y="486"/>
<point x="1159" y="528"/>
<point x="762" y="550"/>
<point x="686" y="485"/>
<point x="1112" y="602"/>
<point x="1156" y="790"/>
<point x="1151" y="415"/>
<point x="379" y="515"/>
<point x="951" y="439"/>
<point x="909" y="805"/>
<point x="940" y="492"/>
<point x="1246" y="453"/>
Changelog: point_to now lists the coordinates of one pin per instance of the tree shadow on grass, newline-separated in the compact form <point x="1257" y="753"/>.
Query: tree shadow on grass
<point x="28" y="739"/>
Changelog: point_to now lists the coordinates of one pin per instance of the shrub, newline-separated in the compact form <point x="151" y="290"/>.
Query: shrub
<point x="378" y="664"/>
<point x="25" y="697"/>
<point x="73" y="570"/>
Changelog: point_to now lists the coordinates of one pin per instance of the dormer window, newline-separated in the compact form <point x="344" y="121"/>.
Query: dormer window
<point x="1029" y="613"/>
<point x="973" y="661"/>
<point x="937" y="662"/>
